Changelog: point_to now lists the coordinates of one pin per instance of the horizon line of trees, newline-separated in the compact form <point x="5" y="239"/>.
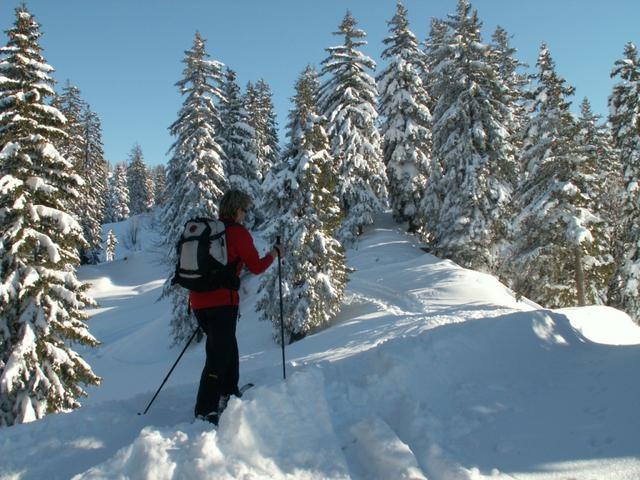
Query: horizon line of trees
<point x="486" y="164"/>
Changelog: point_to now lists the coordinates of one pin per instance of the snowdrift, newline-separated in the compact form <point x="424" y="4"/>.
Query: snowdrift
<point x="431" y="371"/>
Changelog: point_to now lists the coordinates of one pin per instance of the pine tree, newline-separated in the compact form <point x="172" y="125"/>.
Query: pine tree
<point x="304" y="211"/>
<point x="595" y="144"/>
<point x="94" y="170"/>
<point x="624" y="117"/>
<point x="474" y="169"/>
<point x="435" y="49"/>
<point x="561" y="253"/>
<point x="82" y="147"/>
<point x="117" y="208"/>
<point x="436" y="53"/>
<point x="251" y="107"/>
<point x="195" y="177"/>
<point x="238" y="139"/>
<point x="139" y="183"/>
<point x="597" y="175"/>
<point x="159" y="179"/>
<point x="110" y="246"/>
<point x="262" y="118"/>
<point x="233" y="119"/>
<point x="41" y="301"/>
<point x="406" y="127"/>
<point x="508" y="68"/>
<point x="72" y="106"/>
<point x="348" y="100"/>
<point x="550" y="120"/>
<point x="266" y="140"/>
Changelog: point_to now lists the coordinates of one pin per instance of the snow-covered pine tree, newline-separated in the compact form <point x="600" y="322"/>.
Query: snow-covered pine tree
<point x="348" y="98"/>
<point x="117" y="208"/>
<point x="159" y="178"/>
<point x="624" y="117"/>
<point x="238" y="140"/>
<point x="41" y="301"/>
<point x="82" y="147"/>
<point x="93" y="168"/>
<point x="252" y="109"/>
<point x="305" y="212"/>
<point x="267" y="144"/>
<point x="595" y="144"/>
<point x="232" y="112"/>
<point x="550" y="122"/>
<point x="597" y="174"/>
<point x="262" y="117"/>
<point x="195" y="177"/>
<point x="139" y="182"/>
<point x="405" y="129"/>
<point x="110" y="246"/>
<point x="561" y="249"/>
<point x="474" y="169"/>
<point x="434" y="53"/>
<point x="70" y="103"/>
<point x="107" y="194"/>
<point x="508" y="68"/>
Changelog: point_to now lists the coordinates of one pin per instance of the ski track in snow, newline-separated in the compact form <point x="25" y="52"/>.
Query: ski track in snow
<point x="429" y="372"/>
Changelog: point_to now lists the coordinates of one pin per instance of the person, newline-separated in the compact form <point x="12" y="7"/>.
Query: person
<point x="217" y="311"/>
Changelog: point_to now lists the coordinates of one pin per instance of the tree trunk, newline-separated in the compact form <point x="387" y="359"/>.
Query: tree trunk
<point x="580" y="279"/>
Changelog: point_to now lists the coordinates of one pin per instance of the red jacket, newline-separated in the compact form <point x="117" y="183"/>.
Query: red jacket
<point x="239" y="245"/>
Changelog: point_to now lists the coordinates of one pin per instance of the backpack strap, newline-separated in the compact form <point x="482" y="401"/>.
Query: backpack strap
<point x="227" y="224"/>
<point x="232" y="265"/>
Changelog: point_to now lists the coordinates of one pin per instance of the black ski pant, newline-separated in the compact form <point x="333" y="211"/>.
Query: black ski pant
<point x="221" y="371"/>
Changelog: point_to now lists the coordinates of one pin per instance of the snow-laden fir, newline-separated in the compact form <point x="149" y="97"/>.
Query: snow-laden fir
<point x="141" y="186"/>
<point x="83" y="148"/>
<point x="348" y="97"/>
<point x="117" y="208"/>
<point x="42" y="302"/>
<point x="258" y="102"/>
<point x="405" y="130"/>
<point x="238" y="139"/>
<point x="303" y="210"/>
<point x="560" y="247"/>
<point x="624" y="108"/>
<point x="429" y="371"/>
<point x="195" y="173"/>
<point x="473" y="169"/>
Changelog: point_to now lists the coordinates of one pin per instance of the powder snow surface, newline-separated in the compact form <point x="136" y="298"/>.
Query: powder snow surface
<point x="430" y="371"/>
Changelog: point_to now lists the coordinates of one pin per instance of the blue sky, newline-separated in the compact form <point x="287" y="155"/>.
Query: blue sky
<point x="125" y="55"/>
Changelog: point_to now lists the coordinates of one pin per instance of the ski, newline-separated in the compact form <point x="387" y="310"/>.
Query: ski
<point x="244" y="388"/>
<point x="225" y="398"/>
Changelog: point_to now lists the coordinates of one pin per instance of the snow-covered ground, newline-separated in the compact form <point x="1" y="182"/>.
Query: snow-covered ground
<point x="430" y="371"/>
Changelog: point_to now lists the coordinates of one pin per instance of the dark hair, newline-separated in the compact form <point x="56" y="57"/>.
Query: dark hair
<point x="232" y="201"/>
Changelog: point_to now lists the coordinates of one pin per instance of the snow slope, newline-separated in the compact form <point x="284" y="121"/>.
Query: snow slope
<point x="431" y="371"/>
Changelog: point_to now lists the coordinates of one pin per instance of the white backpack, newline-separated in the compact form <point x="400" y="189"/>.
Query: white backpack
<point x="202" y="257"/>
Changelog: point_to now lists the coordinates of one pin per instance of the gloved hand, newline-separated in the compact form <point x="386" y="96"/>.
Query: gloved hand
<point x="277" y="250"/>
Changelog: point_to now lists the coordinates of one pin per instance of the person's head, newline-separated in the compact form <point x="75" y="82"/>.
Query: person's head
<point x="235" y="203"/>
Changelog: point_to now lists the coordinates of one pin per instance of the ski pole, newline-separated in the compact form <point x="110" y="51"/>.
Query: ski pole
<point x="284" y="370"/>
<point x="170" y="371"/>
